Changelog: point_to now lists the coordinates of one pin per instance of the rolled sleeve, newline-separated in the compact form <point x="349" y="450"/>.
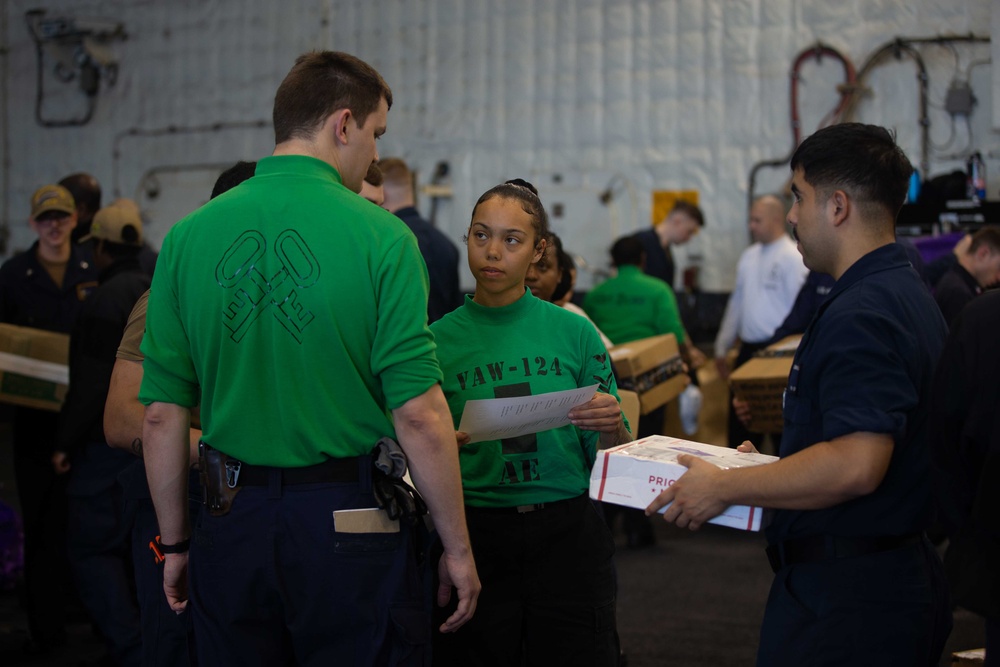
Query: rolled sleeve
<point x="168" y="372"/>
<point x="403" y="355"/>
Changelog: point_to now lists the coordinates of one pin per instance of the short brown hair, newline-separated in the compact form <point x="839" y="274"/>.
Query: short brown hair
<point x="989" y="237"/>
<point x="318" y="84"/>
<point x="396" y="171"/>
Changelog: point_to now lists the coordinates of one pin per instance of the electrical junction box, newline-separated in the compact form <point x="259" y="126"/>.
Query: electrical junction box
<point x="959" y="100"/>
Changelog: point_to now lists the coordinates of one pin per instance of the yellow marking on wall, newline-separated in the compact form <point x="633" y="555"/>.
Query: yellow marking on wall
<point x="664" y="200"/>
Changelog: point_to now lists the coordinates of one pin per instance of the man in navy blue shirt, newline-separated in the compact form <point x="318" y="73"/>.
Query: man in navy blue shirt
<point x="856" y="581"/>
<point x="440" y="254"/>
<point x="681" y="224"/>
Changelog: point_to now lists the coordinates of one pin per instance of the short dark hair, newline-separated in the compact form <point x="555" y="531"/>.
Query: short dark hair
<point x="689" y="209"/>
<point x="523" y="192"/>
<point x="318" y="84"/>
<point x="627" y="251"/>
<point x="564" y="263"/>
<point x="988" y="237"/>
<point x="85" y="189"/>
<point x="863" y="159"/>
<point x="233" y="176"/>
<point x="375" y="176"/>
<point x="119" y="251"/>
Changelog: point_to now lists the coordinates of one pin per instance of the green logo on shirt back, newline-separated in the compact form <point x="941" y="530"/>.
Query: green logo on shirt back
<point x="253" y="293"/>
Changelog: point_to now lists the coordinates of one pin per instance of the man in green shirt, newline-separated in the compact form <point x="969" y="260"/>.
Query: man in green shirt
<point x="632" y="305"/>
<point x="295" y="311"/>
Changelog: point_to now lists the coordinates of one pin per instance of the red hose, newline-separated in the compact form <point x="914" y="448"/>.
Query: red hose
<point x="846" y="91"/>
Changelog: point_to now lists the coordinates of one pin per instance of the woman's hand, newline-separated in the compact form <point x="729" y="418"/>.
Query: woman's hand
<point x="603" y="414"/>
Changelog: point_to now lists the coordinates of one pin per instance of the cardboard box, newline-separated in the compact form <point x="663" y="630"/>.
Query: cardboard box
<point x="651" y="367"/>
<point x="635" y="473"/>
<point x="761" y="383"/>
<point x="34" y="369"/>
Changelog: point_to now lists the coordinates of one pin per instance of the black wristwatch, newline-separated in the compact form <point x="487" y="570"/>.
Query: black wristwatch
<point x="179" y="548"/>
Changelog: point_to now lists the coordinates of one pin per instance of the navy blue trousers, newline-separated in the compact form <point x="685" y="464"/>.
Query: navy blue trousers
<point x="888" y="608"/>
<point x="274" y="583"/>
<point x="167" y="637"/>
<point x="99" y="551"/>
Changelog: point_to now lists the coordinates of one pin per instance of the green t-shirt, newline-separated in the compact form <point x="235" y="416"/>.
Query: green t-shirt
<point x="633" y="305"/>
<point x="528" y="348"/>
<point x="299" y="309"/>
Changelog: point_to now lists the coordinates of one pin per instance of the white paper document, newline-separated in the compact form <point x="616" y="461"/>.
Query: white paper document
<point x="497" y="418"/>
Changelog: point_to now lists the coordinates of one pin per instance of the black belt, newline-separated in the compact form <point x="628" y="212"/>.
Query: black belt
<point x="331" y="470"/>
<point x="819" y="548"/>
<point x="523" y="509"/>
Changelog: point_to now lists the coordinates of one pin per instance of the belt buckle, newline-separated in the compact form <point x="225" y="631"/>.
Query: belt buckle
<point x="524" y="509"/>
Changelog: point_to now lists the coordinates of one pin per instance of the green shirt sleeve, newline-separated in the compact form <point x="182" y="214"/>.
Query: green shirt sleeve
<point x="668" y="317"/>
<point x="168" y="373"/>
<point x="403" y="355"/>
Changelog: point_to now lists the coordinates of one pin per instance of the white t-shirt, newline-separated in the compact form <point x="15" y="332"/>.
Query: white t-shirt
<point x="768" y="278"/>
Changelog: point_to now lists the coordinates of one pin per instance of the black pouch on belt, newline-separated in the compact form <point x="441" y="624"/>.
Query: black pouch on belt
<point x="393" y="494"/>
<point x="218" y="475"/>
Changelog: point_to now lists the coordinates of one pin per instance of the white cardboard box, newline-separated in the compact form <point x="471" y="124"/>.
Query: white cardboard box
<point x="635" y="473"/>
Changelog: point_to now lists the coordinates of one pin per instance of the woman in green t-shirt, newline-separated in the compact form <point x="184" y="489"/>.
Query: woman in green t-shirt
<point x="543" y="553"/>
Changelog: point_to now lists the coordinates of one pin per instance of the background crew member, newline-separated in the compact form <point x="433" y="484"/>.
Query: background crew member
<point x="769" y="277"/>
<point x="98" y="528"/>
<point x="372" y="188"/>
<point x="552" y="278"/>
<point x="544" y="552"/>
<point x="86" y="191"/>
<point x="167" y="637"/>
<point x="438" y="251"/>
<point x="295" y="310"/>
<point x="976" y="268"/>
<point x="965" y="449"/>
<point x="630" y="306"/>
<point x="852" y="488"/>
<point x="44" y="287"/>
<point x="681" y="224"/>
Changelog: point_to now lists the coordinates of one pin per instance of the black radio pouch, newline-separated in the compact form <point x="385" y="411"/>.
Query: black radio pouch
<point x="218" y="475"/>
<point x="399" y="499"/>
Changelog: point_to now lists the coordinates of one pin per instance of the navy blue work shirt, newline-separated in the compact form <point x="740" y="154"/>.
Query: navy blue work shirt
<point x="659" y="260"/>
<point x="441" y="257"/>
<point x="813" y="293"/>
<point x="29" y="298"/>
<point x="866" y="364"/>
